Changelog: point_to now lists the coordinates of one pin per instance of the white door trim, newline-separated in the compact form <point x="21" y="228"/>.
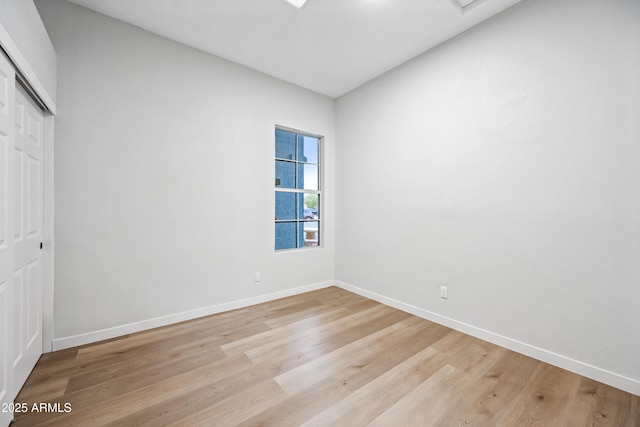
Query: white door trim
<point x="47" y="234"/>
<point x="7" y="246"/>
<point x="21" y="65"/>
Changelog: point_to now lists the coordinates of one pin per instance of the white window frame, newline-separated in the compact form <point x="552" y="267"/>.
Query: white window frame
<point x="319" y="239"/>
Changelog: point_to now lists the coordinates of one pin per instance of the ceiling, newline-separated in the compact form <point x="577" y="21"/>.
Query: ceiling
<point x="328" y="46"/>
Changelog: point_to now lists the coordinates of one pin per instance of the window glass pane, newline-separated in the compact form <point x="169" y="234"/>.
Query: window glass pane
<point x="307" y="176"/>
<point x="285" y="235"/>
<point x="297" y="178"/>
<point x="311" y="233"/>
<point x="285" y="145"/>
<point x="311" y="206"/>
<point x="300" y="205"/>
<point x="285" y="174"/>
<point x="285" y="205"/>
<point x="301" y="234"/>
<point x="307" y="149"/>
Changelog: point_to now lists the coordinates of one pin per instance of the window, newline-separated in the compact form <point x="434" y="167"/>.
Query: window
<point x="297" y="191"/>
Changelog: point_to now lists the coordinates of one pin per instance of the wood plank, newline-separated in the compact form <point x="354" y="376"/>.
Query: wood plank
<point x="237" y="408"/>
<point x="435" y="400"/>
<point x="380" y="394"/>
<point x="386" y="389"/>
<point x="330" y="336"/>
<point x="328" y="357"/>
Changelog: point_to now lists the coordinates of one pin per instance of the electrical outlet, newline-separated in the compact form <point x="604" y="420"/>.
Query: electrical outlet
<point x="444" y="292"/>
<point x="258" y="277"/>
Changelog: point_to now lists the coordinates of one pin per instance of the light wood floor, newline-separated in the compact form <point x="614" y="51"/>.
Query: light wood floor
<point x="325" y="358"/>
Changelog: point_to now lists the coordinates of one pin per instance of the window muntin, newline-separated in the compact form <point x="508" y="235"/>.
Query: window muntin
<point x="297" y="189"/>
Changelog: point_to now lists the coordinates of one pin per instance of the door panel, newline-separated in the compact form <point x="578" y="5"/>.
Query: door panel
<point x="18" y="184"/>
<point x="7" y="126"/>
<point x="18" y="307"/>
<point x="6" y="347"/>
<point x="34" y="206"/>
<point x="34" y="125"/>
<point x="33" y="304"/>
<point x="28" y="256"/>
<point x="21" y="141"/>
<point x="4" y="202"/>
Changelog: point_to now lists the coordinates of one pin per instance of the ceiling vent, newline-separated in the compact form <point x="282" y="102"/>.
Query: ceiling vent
<point x="297" y="3"/>
<point x="465" y="5"/>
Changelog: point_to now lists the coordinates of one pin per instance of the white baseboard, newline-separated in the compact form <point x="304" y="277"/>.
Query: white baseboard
<point x="602" y="375"/>
<point x="117" y="331"/>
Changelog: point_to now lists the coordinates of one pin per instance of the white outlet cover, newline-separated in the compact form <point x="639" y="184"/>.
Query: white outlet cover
<point x="444" y="292"/>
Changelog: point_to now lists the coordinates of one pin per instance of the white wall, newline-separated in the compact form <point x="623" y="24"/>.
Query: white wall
<point x="164" y="178"/>
<point x="505" y="165"/>
<point x="25" y="39"/>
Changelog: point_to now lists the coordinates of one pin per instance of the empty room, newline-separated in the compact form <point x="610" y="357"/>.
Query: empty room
<point x="320" y="213"/>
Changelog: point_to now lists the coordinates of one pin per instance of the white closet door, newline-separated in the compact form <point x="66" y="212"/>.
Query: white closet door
<point x="21" y="139"/>
<point x="7" y="125"/>
<point x="27" y="236"/>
